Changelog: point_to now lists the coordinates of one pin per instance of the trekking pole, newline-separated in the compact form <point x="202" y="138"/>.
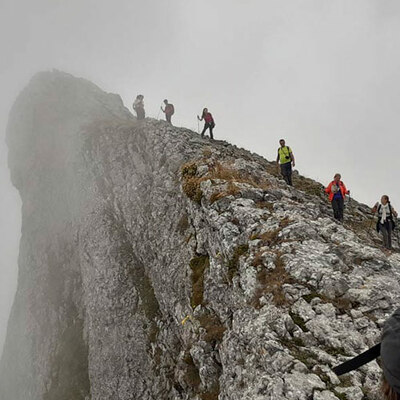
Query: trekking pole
<point x="198" y="125"/>
<point x="159" y="111"/>
<point x="372" y="222"/>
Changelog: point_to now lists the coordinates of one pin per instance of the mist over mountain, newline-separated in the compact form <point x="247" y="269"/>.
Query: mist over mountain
<point x="155" y="264"/>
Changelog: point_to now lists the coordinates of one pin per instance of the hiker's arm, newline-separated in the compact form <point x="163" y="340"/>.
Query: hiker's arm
<point x="200" y="119"/>
<point x="394" y="212"/>
<point x="277" y="159"/>
<point x="328" y="188"/>
<point x="292" y="157"/>
<point x="374" y="208"/>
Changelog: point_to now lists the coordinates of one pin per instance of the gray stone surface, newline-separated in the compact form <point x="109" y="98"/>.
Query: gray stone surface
<point x="158" y="265"/>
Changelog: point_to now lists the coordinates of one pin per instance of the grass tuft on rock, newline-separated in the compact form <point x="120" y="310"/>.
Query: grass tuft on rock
<point x="198" y="265"/>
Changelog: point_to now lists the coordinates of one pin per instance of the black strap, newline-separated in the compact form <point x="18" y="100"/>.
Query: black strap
<point x="358" y="361"/>
<point x="390" y="211"/>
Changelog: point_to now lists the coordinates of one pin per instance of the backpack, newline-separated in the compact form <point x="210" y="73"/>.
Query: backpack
<point x="390" y="218"/>
<point x="169" y="109"/>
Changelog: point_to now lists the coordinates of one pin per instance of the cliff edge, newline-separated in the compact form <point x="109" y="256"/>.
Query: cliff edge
<point x="158" y="265"/>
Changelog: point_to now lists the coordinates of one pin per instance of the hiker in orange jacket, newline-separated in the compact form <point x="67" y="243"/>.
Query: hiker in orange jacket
<point x="337" y="192"/>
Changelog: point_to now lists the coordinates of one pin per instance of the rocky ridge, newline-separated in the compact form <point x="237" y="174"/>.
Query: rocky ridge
<point x="158" y="265"/>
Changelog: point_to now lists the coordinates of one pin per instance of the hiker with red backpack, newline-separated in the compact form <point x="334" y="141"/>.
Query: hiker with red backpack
<point x="169" y="111"/>
<point x="208" y="122"/>
<point x="337" y="192"/>
<point x="385" y="223"/>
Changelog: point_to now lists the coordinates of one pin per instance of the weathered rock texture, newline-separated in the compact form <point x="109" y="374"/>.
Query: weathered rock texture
<point x="158" y="265"/>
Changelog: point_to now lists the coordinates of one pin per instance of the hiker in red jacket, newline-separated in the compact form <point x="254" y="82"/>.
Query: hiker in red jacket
<point x="337" y="192"/>
<point x="169" y="111"/>
<point x="208" y="122"/>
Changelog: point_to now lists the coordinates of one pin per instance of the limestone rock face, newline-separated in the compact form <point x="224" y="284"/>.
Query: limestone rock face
<point x="158" y="265"/>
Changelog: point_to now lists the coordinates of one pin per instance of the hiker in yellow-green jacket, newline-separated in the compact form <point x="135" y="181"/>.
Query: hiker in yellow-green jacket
<point x="286" y="160"/>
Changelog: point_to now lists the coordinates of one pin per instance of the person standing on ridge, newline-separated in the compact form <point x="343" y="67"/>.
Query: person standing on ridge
<point x="138" y="106"/>
<point x="385" y="223"/>
<point x="169" y="111"/>
<point x="286" y="160"/>
<point x="337" y="192"/>
<point x="208" y="122"/>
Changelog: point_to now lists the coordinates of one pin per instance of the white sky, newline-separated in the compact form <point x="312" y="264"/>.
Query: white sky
<point x="322" y="74"/>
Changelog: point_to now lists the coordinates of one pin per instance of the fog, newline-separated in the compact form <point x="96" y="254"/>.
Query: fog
<point x="322" y="74"/>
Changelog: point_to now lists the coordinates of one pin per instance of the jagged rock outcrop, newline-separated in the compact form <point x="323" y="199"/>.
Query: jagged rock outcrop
<point x="158" y="265"/>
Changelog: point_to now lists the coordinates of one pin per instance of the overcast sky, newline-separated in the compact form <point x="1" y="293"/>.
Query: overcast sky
<point x="322" y="74"/>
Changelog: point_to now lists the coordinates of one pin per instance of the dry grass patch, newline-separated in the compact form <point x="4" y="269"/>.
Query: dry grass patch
<point x="310" y="187"/>
<point x="258" y="259"/>
<point x="265" y="205"/>
<point x="191" y="187"/>
<point x="191" y="182"/>
<point x="271" y="238"/>
<point x="342" y="304"/>
<point x="272" y="282"/>
<point x="232" y="190"/>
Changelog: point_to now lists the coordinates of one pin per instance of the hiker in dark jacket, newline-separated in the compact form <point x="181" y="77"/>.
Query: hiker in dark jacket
<point x="286" y="160"/>
<point x="169" y="111"/>
<point x="337" y="192"/>
<point x="138" y="106"/>
<point x="209" y="122"/>
<point x="389" y="352"/>
<point x="385" y="223"/>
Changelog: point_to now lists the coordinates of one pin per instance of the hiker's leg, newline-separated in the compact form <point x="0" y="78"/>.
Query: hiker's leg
<point x="211" y="132"/>
<point x="341" y="208"/>
<point x="335" y="208"/>
<point x="389" y="233"/>
<point x="385" y="236"/>
<point x="204" y="129"/>
<point x="289" y="174"/>
<point x="284" y="173"/>
<point x="168" y="118"/>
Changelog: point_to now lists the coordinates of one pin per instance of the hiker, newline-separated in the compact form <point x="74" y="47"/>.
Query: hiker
<point x="208" y="122"/>
<point x="385" y="223"/>
<point x="168" y="111"/>
<point x="138" y="106"/>
<point x="337" y="192"/>
<point x="389" y="351"/>
<point x="286" y="160"/>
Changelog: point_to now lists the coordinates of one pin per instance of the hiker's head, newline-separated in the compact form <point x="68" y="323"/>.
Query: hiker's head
<point x="205" y="111"/>
<point x="389" y="352"/>
<point x="388" y="391"/>
<point x="390" y="356"/>
<point x="337" y="177"/>
<point x="385" y="199"/>
<point x="165" y="101"/>
<point x="282" y="143"/>
<point x="140" y="97"/>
